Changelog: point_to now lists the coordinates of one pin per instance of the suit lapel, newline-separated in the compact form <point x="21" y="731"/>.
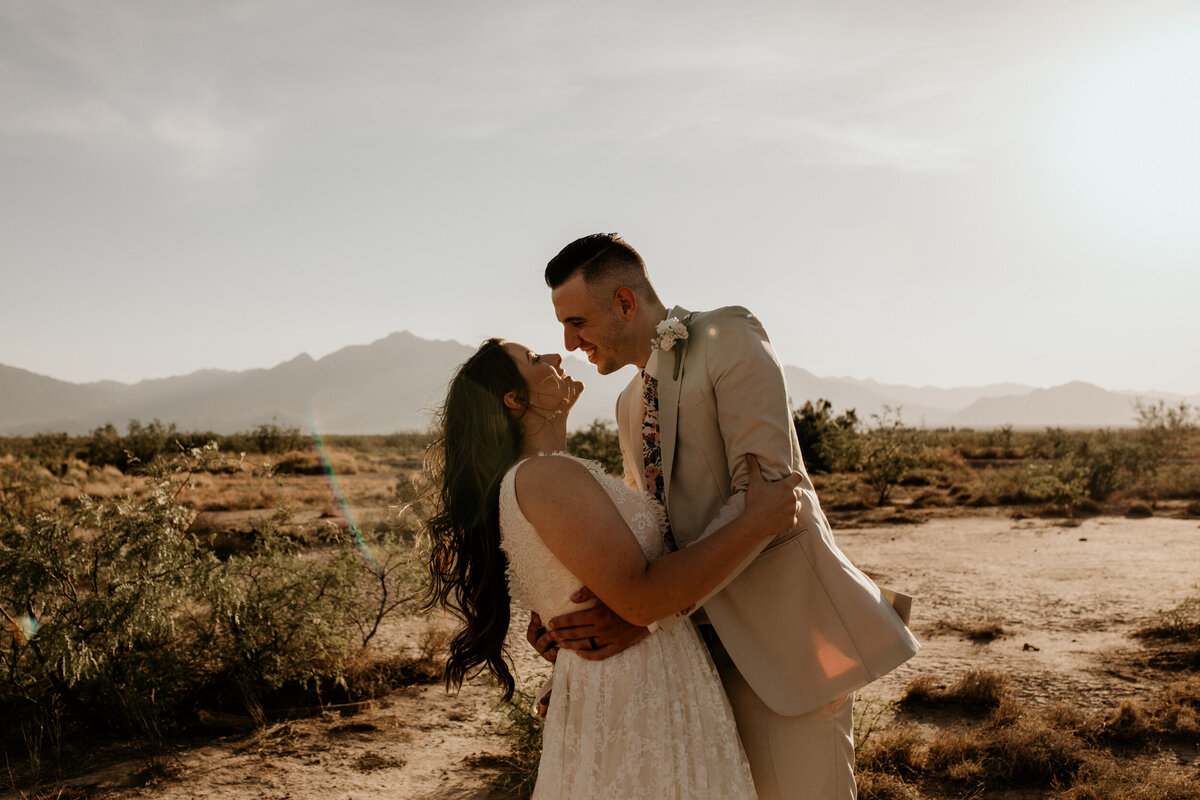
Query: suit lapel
<point x="669" y="382"/>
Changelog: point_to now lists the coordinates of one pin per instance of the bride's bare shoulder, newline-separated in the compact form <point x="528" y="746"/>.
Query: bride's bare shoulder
<point x="549" y="467"/>
<point x="553" y="476"/>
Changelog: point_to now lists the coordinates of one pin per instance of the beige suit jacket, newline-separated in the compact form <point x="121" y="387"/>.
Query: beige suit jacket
<point x="803" y="625"/>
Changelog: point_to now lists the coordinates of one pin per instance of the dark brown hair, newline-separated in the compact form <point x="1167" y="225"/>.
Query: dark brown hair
<point x="478" y="440"/>
<point x="604" y="259"/>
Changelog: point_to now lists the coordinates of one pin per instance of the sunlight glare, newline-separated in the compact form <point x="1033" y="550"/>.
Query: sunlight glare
<point x="1129" y="141"/>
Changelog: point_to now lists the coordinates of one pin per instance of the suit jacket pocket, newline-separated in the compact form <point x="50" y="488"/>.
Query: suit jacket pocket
<point x="784" y="538"/>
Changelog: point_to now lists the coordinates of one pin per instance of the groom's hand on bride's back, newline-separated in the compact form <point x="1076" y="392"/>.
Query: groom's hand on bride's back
<point x="594" y="633"/>
<point x="541" y="639"/>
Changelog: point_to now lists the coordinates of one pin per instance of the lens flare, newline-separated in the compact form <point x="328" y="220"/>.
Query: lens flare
<point x="24" y="628"/>
<point x="339" y="496"/>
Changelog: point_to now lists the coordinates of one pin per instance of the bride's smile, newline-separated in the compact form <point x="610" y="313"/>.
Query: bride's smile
<point x="551" y="390"/>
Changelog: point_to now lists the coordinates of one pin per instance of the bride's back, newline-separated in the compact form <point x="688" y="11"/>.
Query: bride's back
<point x="536" y="577"/>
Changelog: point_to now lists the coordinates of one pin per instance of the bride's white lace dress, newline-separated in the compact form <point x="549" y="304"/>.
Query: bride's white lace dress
<point x="650" y="722"/>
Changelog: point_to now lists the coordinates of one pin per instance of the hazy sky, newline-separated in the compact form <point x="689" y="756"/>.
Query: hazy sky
<point x="925" y="192"/>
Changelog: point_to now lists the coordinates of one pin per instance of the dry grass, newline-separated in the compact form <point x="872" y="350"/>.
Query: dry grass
<point x="1172" y="715"/>
<point x="931" y="498"/>
<point x="1017" y="747"/>
<point x="1100" y="779"/>
<point x="1027" y="751"/>
<point x="1174" y="640"/>
<point x="978" y="690"/>
<point x="977" y="631"/>
<point x="885" y="786"/>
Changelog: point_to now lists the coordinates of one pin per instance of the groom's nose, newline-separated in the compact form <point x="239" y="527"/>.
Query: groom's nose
<point x="570" y="339"/>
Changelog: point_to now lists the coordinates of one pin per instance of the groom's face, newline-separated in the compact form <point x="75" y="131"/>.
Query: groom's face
<point x="594" y="324"/>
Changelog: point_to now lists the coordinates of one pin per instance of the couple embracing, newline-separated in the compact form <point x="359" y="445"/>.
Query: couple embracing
<point x="707" y="633"/>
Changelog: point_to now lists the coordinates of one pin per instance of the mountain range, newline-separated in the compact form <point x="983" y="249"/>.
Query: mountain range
<point x="397" y="382"/>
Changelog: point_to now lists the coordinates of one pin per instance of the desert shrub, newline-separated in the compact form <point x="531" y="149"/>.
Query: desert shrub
<point x="54" y="451"/>
<point x="117" y="619"/>
<point x="1063" y="468"/>
<point x="278" y="617"/>
<point x="1097" y="467"/>
<point x="1034" y="482"/>
<point x="410" y="441"/>
<point x="1182" y="622"/>
<point x="930" y="498"/>
<point x="599" y="442"/>
<point x="1103" y="779"/>
<point x="883" y="786"/>
<point x="267" y="438"/>
<point x="93" y="595"/>
<point x="890" y="450"/>
<point x="141" y="444"/>
<point x="1025" y="752"/>
<point x="270" y="437"/>
<point x="1174" y="640"/>
<point x="393" y="580"/>
<point x="977" y="690"/>
<point x="103" y="447"/>
<point x="1056" y="443"/>
<point x="1164" y="430"/>
<point x="1108" y="462"/>
<point x="1017" y="746"/>
<point x="1171" y="715"/>
<point x="1008" y="748"/>
<point x="1173" y="480"/>
<point x="881" y="455"/>
<point x="819" y="433"/>
<point x="308" y="461"/>
<point x="899" y="750"/>
<point x="25" y="488"/>
<point x="998" y="442"/>
<point x="523" y="732"/>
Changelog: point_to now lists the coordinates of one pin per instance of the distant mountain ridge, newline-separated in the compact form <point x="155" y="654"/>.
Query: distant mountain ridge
<point x="396" y="382"/>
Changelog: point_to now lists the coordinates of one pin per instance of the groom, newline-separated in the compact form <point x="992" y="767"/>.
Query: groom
<point x="797" y="628"/>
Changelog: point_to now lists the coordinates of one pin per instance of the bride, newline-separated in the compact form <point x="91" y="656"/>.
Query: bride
<point x="515" y="512"/>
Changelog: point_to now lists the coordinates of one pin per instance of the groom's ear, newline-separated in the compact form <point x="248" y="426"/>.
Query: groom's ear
<point x="625" y="300"/>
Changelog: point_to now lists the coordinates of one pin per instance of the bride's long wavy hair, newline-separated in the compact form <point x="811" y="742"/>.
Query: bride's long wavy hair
<point x="478" y="440"/>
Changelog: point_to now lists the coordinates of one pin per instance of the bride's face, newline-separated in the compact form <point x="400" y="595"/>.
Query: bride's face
<point x="551" y="391"/>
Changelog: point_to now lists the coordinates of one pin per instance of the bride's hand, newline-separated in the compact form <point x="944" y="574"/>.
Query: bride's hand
<point x="774" y="505"/>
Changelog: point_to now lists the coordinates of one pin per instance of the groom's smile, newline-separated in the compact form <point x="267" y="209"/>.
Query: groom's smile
<point x="590" y="325"/>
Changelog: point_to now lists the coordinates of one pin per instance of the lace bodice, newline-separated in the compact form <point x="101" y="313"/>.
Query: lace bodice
<point x="536" y="578"/>
<point x="649" y="723"/>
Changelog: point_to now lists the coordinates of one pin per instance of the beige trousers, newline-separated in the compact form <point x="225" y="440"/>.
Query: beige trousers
<point x="809" y="757"/>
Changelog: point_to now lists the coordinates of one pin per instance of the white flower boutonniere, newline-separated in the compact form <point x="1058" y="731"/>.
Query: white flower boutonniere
<point x="670" y="334"/>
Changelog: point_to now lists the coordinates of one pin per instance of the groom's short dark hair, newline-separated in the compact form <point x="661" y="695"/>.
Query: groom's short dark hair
<point x="602" y="258"/>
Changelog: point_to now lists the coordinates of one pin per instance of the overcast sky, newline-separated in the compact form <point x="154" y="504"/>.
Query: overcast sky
<point x="944" y="193"/>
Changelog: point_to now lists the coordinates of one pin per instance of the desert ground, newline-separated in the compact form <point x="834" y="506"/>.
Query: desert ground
<point x="1056" y="602"/>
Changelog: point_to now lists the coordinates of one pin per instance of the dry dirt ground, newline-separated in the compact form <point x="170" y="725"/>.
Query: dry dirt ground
<point x="1066" y="599"/>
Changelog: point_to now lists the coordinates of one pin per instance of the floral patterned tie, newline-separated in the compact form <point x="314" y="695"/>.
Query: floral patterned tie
<point x="652" y="448"/>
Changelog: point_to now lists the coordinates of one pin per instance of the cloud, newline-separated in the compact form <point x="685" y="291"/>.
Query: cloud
<point x="110" y="86"/>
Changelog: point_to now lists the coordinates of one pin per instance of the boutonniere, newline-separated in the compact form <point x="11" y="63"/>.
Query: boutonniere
<point x="670" y="334"/>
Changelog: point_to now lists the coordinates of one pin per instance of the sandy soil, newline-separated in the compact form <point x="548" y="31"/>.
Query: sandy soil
<point x="1067" y="599"/>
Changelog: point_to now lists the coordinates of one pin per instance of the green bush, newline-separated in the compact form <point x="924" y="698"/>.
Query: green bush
<point x="599" y="442"/>
<point x="890" y="450"/>
<point x="95" y="596"/>
<point x="118" y="619"/>
<point x="277" y="617"/>
<point x="821" y="435"/>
